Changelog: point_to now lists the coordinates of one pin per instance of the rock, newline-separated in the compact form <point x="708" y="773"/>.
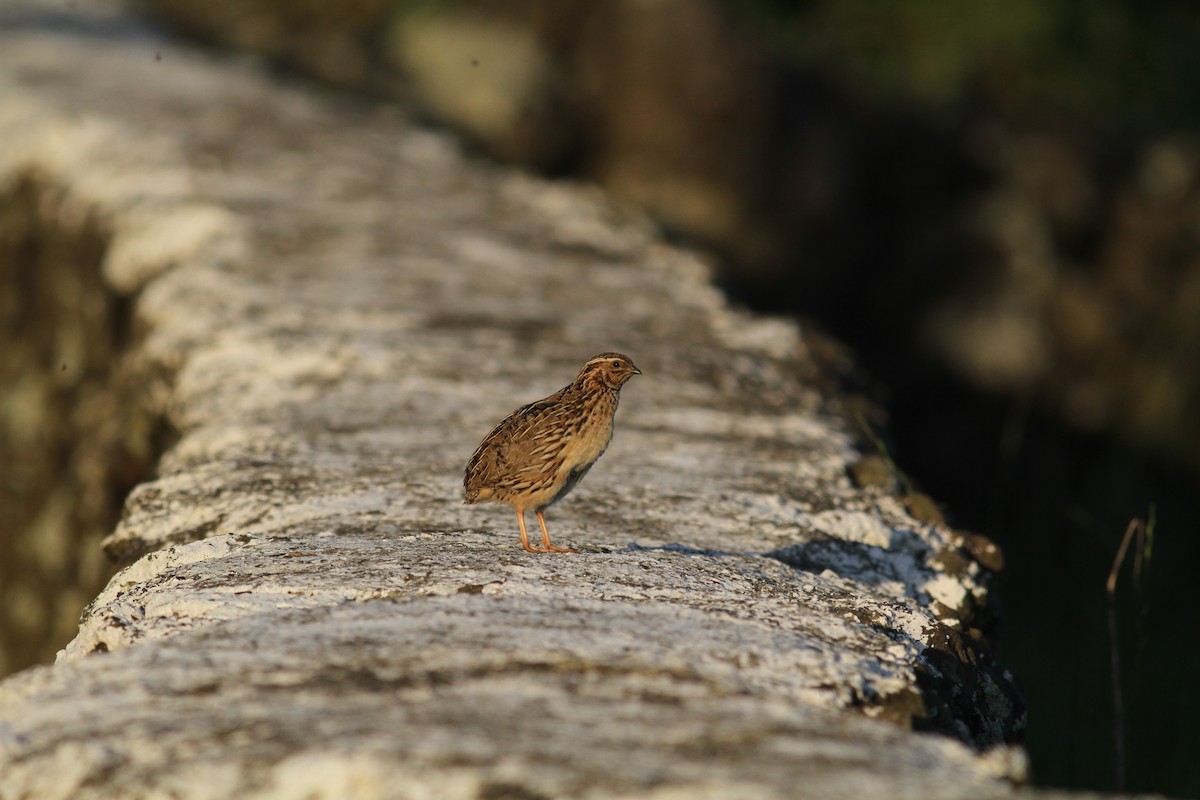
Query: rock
<point x="345" y="305"/>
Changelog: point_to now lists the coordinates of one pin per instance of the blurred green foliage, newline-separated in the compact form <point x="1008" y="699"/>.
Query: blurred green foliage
<point x="1102" y="60"/>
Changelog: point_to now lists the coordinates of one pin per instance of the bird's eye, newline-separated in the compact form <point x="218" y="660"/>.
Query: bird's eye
<point x="617" y="364"/>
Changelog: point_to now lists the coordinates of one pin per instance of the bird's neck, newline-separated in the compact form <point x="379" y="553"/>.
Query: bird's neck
<point x="590" y="384"/>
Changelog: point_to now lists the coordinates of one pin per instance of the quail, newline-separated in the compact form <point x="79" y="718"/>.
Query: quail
<point x="538" y="453"/>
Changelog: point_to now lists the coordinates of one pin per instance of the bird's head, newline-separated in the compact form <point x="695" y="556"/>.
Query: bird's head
<point x="608" y="369"/>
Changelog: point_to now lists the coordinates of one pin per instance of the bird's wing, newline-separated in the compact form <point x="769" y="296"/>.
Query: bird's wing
<point x="516" y="451"/>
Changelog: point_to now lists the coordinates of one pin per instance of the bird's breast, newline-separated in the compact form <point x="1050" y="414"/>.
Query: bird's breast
<point x="593" y="433"/>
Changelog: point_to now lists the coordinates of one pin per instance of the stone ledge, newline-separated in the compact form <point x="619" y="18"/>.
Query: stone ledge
<point x="347" y="304"/>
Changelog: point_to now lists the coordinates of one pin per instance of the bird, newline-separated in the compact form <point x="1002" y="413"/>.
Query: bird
<point x="540" y="452"/>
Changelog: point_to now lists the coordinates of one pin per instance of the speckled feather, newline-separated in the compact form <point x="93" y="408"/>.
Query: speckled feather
<point x="537" y="454"/>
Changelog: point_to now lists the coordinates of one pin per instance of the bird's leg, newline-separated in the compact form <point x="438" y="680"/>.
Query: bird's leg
<point x="550" y="548"/>
<point x="525" y="536"/>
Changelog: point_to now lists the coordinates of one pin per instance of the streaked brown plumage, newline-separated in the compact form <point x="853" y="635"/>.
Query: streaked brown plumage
<point x="540" y="451"/>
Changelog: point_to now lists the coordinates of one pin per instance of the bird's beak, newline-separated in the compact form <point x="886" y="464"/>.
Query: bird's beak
<point x="637" y="371"/>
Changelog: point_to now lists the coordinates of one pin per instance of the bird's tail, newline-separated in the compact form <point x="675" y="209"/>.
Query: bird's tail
<point x="476" y="494"/>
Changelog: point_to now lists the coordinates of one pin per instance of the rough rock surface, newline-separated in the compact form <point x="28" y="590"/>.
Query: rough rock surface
<point x="347" y="304"/>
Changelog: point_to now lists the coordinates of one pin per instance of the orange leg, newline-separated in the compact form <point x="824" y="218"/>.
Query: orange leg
<point x="550" y="548"/>
<point x="525" y="536"/>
